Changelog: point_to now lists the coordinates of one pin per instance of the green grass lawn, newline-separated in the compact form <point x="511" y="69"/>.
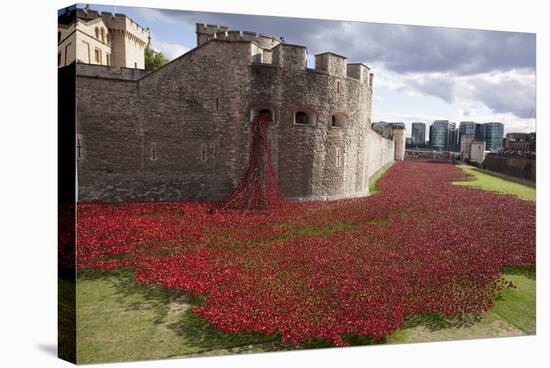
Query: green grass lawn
<point x="512" y="315"/>
<point x="373" y="189"/>
<point x="118" y="320"/>
<point x="497" y="184"/>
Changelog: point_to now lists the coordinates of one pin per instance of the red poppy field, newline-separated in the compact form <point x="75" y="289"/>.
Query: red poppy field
<point x="323" y="269"/>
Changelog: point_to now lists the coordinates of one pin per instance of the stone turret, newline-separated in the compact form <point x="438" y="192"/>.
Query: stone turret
<point x="399" y="141"/>
<point x="360" y="72"/>
<point x="290" y="56"/>
<point x="331" y="63"/>
<point x="207" y="32"/>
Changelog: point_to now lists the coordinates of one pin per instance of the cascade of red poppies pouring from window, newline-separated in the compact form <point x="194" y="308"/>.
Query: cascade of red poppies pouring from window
<point x="258" y="187"/>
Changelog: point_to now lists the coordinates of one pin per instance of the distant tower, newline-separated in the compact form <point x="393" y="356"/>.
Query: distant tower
<point x="466" y="128"/>
<point x="439" y="134"/>
<point x="418" y="134"/>
<point x="399" y="142"/>
<point x="494" y="133"/>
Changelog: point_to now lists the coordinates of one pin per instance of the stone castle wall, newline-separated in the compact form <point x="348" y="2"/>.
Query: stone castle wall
<point x="519" y="167"/>
<point x="182" y="132"/>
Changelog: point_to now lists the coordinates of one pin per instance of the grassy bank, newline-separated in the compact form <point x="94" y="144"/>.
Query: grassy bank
<point x="373" y="189"/>
<point x="119" y="320"/>
<point x="485" y="181"/>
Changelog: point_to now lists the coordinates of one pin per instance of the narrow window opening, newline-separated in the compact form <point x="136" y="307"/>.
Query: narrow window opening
<point x="301" y="118"/>
<point x="67" y="52"/>
<point x="203" y="152"/>
<point x="154" y="151"/>
<point x="338" y="87"/>
<point x="339" y="120"/>
<point x="87" y="48"/>
<point x="78" y="148"/>
<point x="266" y="114"/>
<point x="217" y="104"/>
<point x="338" y="157"/>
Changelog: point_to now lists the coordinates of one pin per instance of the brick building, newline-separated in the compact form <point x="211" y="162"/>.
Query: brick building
<point x="523" y="142"/>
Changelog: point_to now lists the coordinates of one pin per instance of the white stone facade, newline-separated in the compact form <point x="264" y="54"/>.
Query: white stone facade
<point x="90" y="37"/>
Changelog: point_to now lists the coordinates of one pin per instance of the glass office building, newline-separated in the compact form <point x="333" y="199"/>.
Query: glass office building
<point x="480" y="132"/>
<point x="418" y="135"/>
<point x="466" y="128"/>
<point x="439" y="134"/>
<point x="494" y="133"/>
<point x="471" y="128"/>
<point x="452" y="141"/>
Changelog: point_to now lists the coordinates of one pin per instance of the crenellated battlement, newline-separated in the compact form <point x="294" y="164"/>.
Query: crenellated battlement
<point x="208" y="32"/>
<point x="209" y="28"/>
<point x="289" y="56"/>
<point x="268" y="49"/>
<point x="331" y="63"/>
<point x="336" y="65"/>
<point x="360" y="72"/>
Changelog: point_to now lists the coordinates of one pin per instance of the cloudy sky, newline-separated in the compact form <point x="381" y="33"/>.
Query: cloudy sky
<point x="421" y="73"/>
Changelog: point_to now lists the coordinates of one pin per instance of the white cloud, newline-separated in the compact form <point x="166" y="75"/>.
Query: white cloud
<point x="507" y="94"/>
<point x="497" y="92"/>
<point x="170" y="50"/>
<point x="477" y="75"/>
<point x="433" y="84"/>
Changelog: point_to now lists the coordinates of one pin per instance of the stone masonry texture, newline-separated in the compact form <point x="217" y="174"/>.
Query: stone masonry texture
<point x="182" y="132"/>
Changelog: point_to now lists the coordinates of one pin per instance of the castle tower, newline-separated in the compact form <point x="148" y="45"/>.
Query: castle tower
<point x="129" y="40"/>
<point x="400" y="140"/>
<point x="88" y="36"/>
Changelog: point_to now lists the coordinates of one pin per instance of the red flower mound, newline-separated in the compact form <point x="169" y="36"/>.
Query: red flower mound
<point x="323" y="269"/>
<point x="258" y="188"/>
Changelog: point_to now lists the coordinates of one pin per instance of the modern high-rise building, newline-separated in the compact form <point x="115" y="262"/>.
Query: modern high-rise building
<point x="439" y="134"/>
<point x="452" y="142"/>
<point x="480" y="132"/>
<point x="466" y="128"/>
<point x="418" y="135"/>
<point x="471" y="128"/>
<point x="494" y="133"/>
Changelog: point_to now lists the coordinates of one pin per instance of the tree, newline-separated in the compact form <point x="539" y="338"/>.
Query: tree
<point x="154" y="59"/>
